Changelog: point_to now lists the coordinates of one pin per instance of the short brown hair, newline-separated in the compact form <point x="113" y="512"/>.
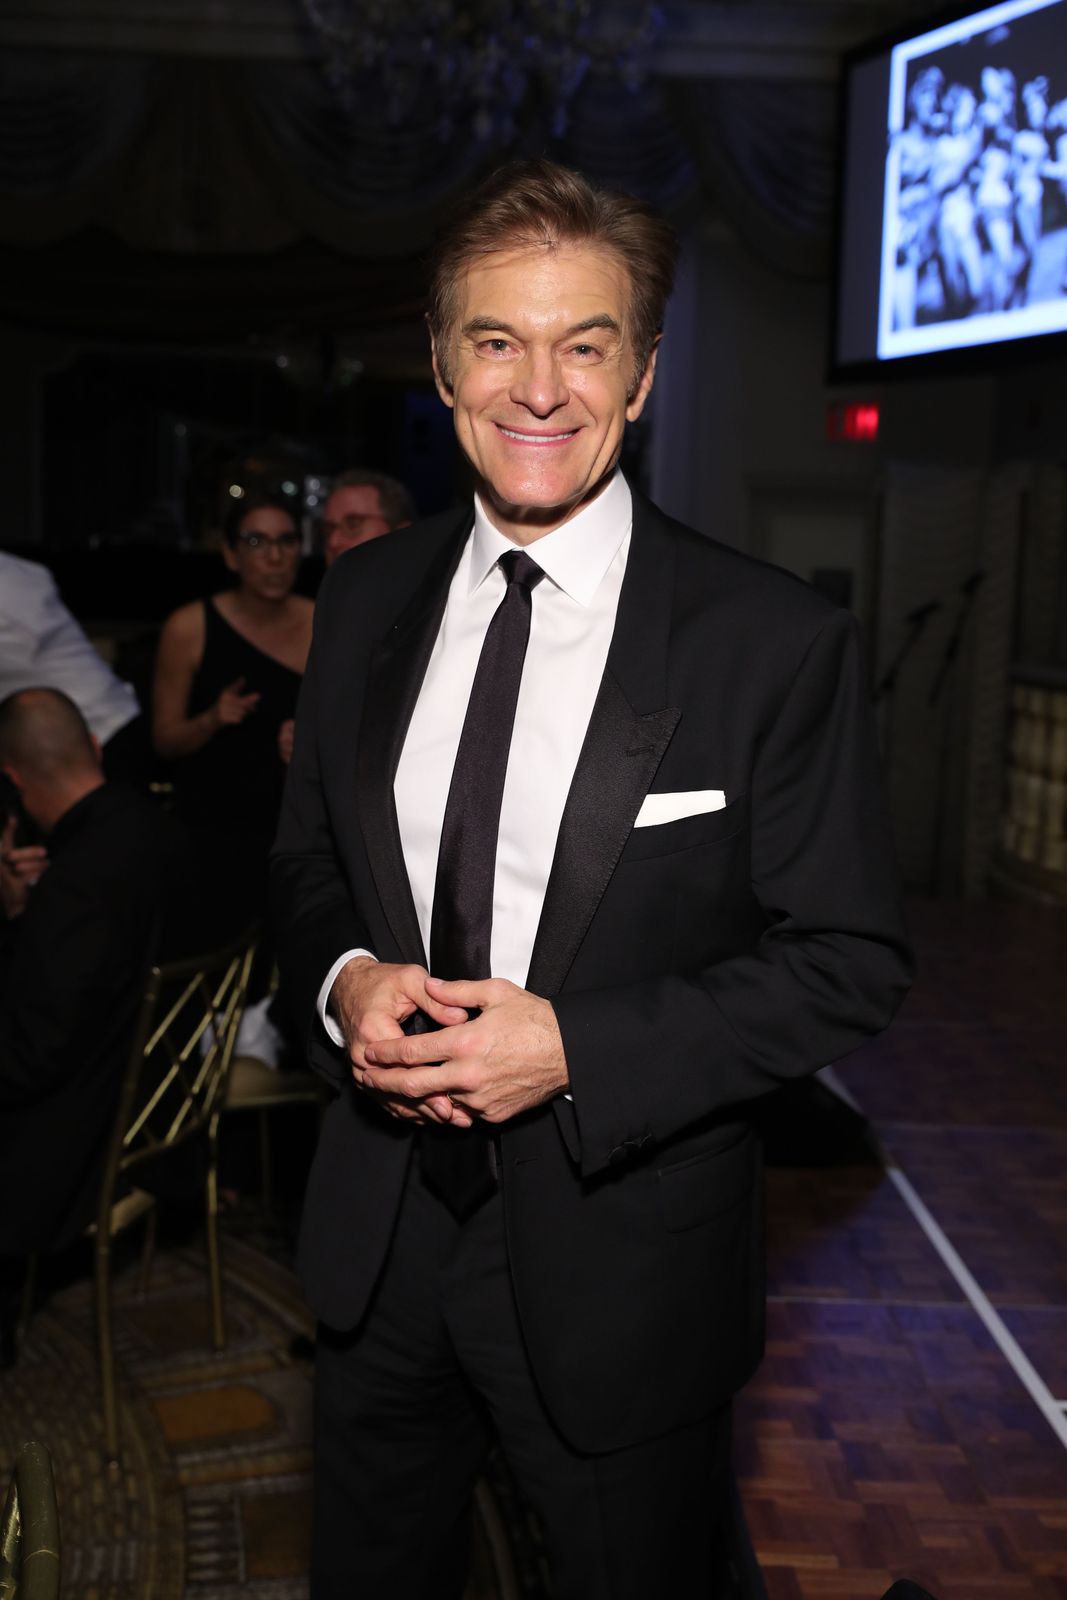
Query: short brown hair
<point x="394" y="499"/>
<point x="541" y="203"/>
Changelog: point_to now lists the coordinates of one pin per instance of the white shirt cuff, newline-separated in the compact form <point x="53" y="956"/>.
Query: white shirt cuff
<point x="333" y="1028"/>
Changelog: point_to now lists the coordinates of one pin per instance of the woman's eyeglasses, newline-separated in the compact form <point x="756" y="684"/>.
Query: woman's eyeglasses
<point x="258" y="541"/>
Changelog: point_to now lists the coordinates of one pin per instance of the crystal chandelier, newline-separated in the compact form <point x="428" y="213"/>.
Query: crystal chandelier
<point x="480" y="60"/>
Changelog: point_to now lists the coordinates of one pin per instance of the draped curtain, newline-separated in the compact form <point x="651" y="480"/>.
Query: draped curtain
<point x="165" y="197"/>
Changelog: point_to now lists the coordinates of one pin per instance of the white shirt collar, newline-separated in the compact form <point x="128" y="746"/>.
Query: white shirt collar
<point x="576" y="555"/>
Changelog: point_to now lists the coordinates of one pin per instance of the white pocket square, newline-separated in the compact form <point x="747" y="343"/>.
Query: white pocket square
<point x="659" y="808"/>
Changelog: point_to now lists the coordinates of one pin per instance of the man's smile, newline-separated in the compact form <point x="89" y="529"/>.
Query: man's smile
<point x="524" y="436"/>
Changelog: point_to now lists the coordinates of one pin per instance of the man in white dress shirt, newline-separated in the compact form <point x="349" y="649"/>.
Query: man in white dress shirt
<point x="42" y="645"/>
<point x="582" y="849"/>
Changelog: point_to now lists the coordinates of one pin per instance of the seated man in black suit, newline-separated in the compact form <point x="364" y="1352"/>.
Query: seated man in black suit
<point x="82" y="917"/>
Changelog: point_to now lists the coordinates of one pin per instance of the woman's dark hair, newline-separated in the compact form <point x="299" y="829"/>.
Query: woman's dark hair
<point x="259" y="500"/>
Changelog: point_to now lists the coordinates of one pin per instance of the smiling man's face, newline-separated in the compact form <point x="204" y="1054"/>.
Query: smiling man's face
<point x="541" y="368"/>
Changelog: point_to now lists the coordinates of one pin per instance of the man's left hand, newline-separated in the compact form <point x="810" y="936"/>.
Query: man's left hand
<point x="506" y="1060"/>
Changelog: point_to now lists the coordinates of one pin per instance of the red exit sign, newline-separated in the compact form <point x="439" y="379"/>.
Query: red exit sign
<point x="854" y="420"/>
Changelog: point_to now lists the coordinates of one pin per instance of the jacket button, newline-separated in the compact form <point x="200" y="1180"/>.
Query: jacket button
<point x="619" y="1155"/>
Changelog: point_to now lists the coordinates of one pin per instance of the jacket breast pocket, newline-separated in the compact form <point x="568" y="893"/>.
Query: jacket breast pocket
<point x="687" y="833"/>
<point x="703" y="1187"/>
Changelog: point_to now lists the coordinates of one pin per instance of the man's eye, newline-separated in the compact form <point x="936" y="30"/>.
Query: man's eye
<point x="495" y="347"/>
<point x="586" y="350"/>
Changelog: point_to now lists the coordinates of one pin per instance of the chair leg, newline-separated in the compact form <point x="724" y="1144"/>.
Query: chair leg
<point x="265" y="1184"/>
<point x="211" y="1209"/>
<point x="29" y="1295"/>
<point x="102" y="1266"/>
<point x="148" y="1253"/>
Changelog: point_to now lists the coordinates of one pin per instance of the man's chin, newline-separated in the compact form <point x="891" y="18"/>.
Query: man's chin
<point x="541" y="512"/>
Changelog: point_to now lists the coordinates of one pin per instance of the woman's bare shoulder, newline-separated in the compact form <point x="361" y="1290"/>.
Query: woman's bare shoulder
<point x="185" y="626"/>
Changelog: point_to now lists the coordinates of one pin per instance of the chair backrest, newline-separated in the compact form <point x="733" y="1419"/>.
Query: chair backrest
<point x="29" y="1530"/>
<point x="176" y="1073"/>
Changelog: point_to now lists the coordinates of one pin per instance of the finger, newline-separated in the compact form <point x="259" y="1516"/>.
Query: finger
<point x="415" y="1083"/>
<point x="380" y="1028"/>
<point x="236" y="686"/>
<point x="446" y="1014"/>
<point x="413" y="1050"/>
<point x="474" y="994"/>
<point x="375" y="1026"/>
<point x="416" y="1112"/>
<point x="438" y="1109"/>
<point x="441" y="1107"/>
<point x="459" y="1116"/>
<point x="7" y="839"/>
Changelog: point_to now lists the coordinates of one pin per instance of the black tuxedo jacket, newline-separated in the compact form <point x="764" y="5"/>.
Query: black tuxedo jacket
<point x="693" y="966"/>
<point x="121" y="877"/>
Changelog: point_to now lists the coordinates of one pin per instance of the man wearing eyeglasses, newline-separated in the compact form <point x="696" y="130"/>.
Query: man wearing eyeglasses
<point x="362" y="505"/>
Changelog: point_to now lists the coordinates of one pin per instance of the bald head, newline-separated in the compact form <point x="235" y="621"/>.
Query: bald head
<point x="44" y="740"/>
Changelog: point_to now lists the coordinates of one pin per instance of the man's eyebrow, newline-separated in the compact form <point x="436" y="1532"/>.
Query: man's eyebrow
<point x="601" y="320"/>
<point x="490" y="325"/>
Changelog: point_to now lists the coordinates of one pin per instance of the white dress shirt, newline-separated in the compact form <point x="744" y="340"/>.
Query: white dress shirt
<point x="572" y="620"/>
<point x="42" y="646"/>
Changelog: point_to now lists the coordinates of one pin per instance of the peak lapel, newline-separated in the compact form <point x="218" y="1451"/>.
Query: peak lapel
<point x="394" y="680"/>
<point x="629" y="730"/>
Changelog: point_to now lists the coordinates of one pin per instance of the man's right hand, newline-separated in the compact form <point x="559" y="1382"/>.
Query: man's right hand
<point x="20" y="868"/>
<point x="369" y="1001"/>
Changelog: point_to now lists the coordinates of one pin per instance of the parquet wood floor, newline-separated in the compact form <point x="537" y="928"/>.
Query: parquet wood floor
<point x="886" y="1434"/>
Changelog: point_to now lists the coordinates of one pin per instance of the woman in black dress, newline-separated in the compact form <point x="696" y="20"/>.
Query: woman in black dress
<point x="227" y="674"/>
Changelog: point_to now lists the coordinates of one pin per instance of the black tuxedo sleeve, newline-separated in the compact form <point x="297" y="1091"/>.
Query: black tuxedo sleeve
<point x="653" y="1058"/>
<point x="64" y="968"/>
<point x="314" y="917"/>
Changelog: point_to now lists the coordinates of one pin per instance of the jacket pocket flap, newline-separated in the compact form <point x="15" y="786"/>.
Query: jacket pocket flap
<point x="701" y="1188"/>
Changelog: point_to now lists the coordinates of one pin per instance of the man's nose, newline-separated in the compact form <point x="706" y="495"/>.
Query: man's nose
<point x="539" y="384"/>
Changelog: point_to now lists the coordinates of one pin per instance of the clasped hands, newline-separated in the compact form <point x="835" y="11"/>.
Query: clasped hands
<point x="490" y="1067"/>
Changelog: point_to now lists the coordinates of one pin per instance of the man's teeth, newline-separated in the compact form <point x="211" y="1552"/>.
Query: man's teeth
<point x="535" y="438"/>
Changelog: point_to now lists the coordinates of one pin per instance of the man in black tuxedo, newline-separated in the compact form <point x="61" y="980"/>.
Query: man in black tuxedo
<point x="81" y="918"/>
<point x="615" y="786"/>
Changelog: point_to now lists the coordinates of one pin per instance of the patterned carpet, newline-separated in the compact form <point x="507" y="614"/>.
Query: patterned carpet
<point x="211" y="1493"/>
<point x="211" y="1499"/>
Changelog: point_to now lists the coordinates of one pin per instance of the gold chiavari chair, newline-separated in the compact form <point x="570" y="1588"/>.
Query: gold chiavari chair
<point x="29" y="1530"/>
<point x="172" y="1094"/>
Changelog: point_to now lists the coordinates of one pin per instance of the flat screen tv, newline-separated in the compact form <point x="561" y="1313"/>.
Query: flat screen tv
<point x="952" y="225"/>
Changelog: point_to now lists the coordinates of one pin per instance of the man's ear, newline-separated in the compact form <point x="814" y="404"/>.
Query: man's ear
<point x="636" y="403"/>
<point x="98" y="749"/>
<point x="13" y="776"/>
<point x="444" y="388"/>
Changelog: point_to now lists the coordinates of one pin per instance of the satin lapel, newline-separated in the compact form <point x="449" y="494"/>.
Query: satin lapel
<point x="393" y="683"/>
<point x="629" y="730"/>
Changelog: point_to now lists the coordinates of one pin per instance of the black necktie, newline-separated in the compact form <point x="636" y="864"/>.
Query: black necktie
<point x="456" y="1161"/>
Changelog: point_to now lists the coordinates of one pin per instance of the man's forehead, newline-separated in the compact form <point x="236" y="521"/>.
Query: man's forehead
<point x="539" y="278"/>
<point x="359" y="499"/>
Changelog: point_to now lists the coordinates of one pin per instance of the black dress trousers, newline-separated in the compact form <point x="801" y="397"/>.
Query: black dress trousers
<point x="405" y="1406"/>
